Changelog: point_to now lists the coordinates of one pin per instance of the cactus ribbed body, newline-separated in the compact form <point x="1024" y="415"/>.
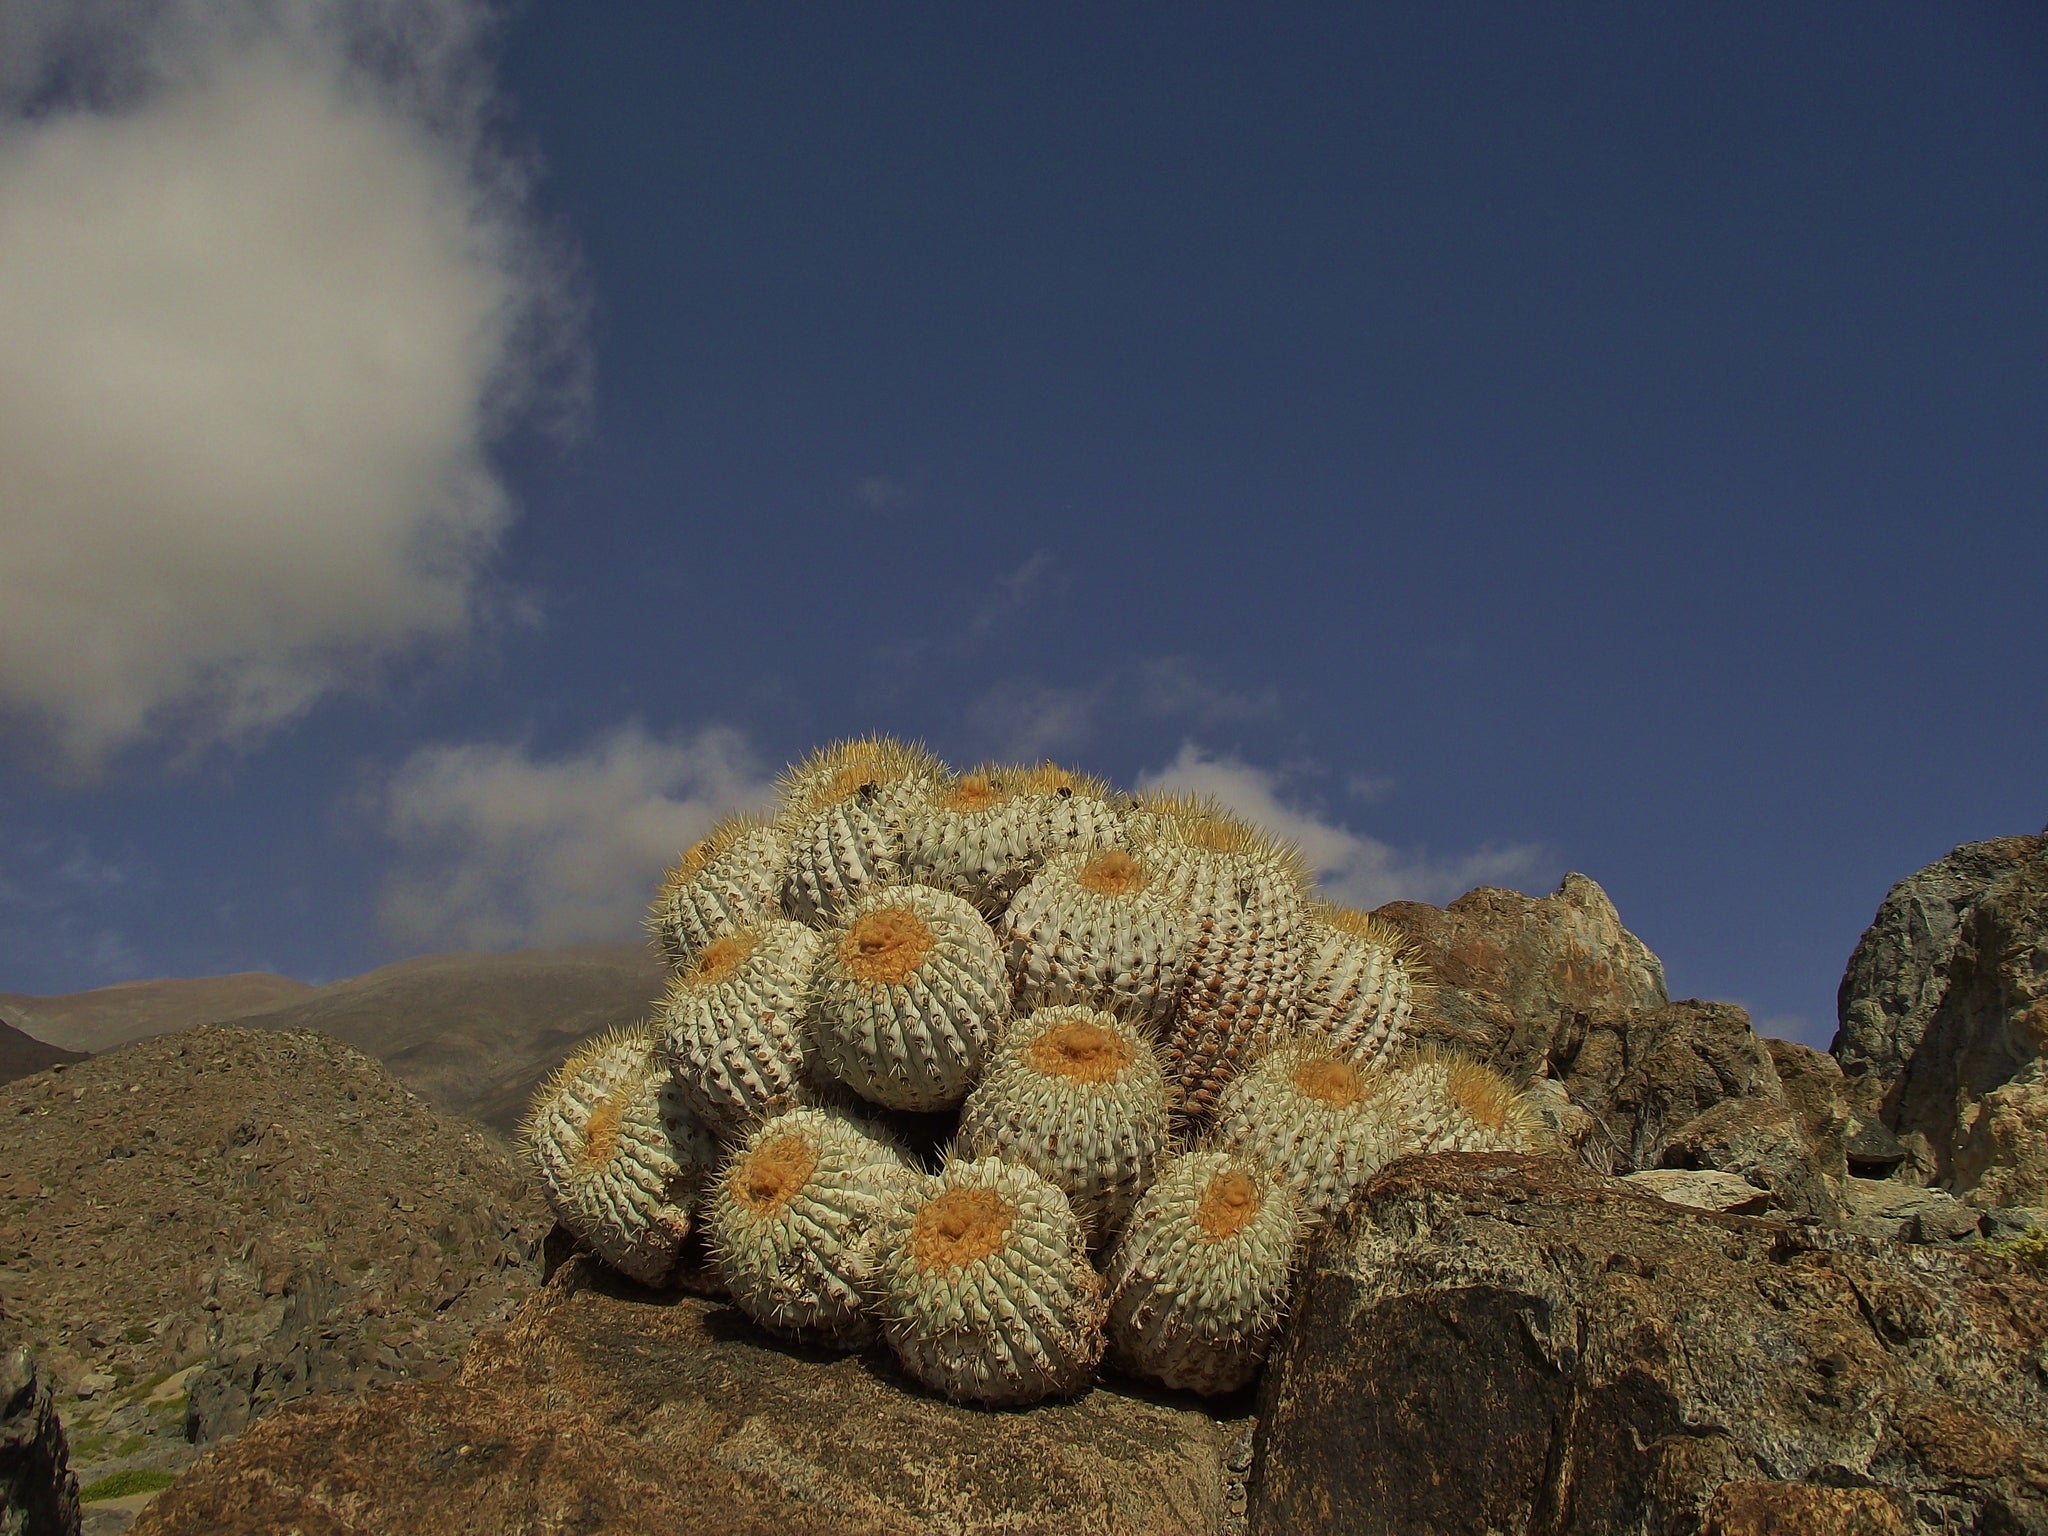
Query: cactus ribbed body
<point x="1245" y="903"/>
<point x="1101" y="928"/>
<point x="1443" y="1102"/>
<point x="621" y="1159"/>
<point x="736" y="1037"/>
<point x="1313" y="1120"/>
<point x="1078" y="1097"/>
<point x="972" y="836"/>
<point x="1358" y="983"/>
<point x="1065" y="812"/>
<point x="843" y="811"/>
<point x="910" y="991"/>
<point x="794" y="1218"/>
<point x="730" y="880"/>
<point x="1199" y="1280"/>
<point x="984" y="1286"/>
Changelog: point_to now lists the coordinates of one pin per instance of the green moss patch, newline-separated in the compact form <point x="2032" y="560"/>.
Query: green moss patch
<point x="119" y="1485"/>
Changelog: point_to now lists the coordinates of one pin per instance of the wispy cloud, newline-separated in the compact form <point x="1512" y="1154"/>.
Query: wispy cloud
<point x="884" y="493"/>
<point x="1020" y="718"/>
<point x="498" y="847"/>
<point x="66" y="911"/>
<point x="271" y="291"/>
<point x="1353" y="868"/>
<point x="1014" y="592"/>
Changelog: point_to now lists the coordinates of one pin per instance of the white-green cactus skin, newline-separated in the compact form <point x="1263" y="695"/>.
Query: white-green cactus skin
<point x="1313" y="1120"/>
<point x="736" y="1037"/>
<point x="729" y="880"/>
<point x="1066" y="812"/>
<point x="1098" y="926"/>
<point x="984" y="1286"/>
<point x="1443" y="1102"/>
<point x="1359" y="983"/>
<point x="972" y="835"/>
<point x="621" y="1159"/>
<point x="1245" y="896"/>
<point x="1199" y="1281"/>
<point x="910" y="993"/>
<point x="843" y="811"/>
<point x="1077" y="1096"/>
<point x="794" y="1218"/>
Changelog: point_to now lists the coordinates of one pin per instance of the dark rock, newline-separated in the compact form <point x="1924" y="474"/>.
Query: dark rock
<point x="1813" y="1087"/>
<point x="1898" y="976"/>
<point x="1497" y="1343"/>
<point x="1511" y="967"/>
<point x="38" y="1493"/>
<point x="1871" y="1150"/>
<point x="607" y="1408"/>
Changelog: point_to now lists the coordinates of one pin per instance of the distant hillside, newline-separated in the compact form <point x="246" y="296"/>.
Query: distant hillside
<point x="137" y="1010"/>
<point x="22" y="1054"/>
<point x="475" y="1033"/>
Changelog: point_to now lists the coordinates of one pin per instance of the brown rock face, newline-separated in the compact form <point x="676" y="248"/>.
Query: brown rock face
<point x="606" y="1408"/>
<point x="1498" y="1343"/>
<point x="1508" y="962"/>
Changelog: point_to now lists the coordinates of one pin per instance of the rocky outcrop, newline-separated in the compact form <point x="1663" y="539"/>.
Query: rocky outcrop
<point x="38" y="1493"/>
<point x="1944" y="1026"/>
<point x="1509" y="963"/>
<point x="607" y="1408"/>
<point x="1497" y="1343"/>
<point x="202" y="1227"/>
<point x="1898" y="976"/>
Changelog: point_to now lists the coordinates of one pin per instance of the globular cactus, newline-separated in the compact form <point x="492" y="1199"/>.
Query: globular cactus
<point x="910" y="992"/>
<point x="972" y="835"/>
<point x="1444" y="1102"/>
<point x="1313" y="1119"/>
<point x="1098" y="927"/>
<point x="1077" y="1096"/>
<point x="1199" y="1281"/>
<point x="735" y="1034"/>
<point x="843" y="810"/>
<point x="984" y="1286"/>
<point x="621" y="1159"/>
<point x="1245" y="897"/>
<point x="1065" y="812"/>
<point x="1360" y="981"/>
<point x="793" y="1218"/>
<point x="730" y="879"/>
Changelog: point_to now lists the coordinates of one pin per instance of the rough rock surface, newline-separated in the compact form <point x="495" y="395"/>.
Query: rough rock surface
<point x="201" y="1227"/>
<point x="1499" y="1343"/>
<point x="1969" y="1104"/>
<point x="38" y="1492"/>
<point x="1898" y="975"/>
<point x="1506" y="961"/>
<point x="607" y="1408"/>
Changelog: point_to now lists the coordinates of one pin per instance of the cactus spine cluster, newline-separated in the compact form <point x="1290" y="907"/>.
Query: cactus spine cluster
<point x="1077" y="1096"/>
<point x="1199" y="1281"/>
<point x="794" y="1218"/>
<point x="1077" y="975"/>
<point x="985" y="1288"/>
<point x="621" y="1159"/>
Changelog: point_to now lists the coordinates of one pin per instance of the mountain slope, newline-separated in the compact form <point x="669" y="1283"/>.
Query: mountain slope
<point x="22" y="1054"/>
<point x="106" y="1017"/>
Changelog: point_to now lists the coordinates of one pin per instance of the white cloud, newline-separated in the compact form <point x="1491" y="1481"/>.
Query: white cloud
<point x="269" y="292"/>
<point x="498" y="848"/>
<point x="1353" y="868"/>
<point x="1019" y="719"/>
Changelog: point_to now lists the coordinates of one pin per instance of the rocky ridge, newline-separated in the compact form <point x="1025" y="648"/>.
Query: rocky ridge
<point x="207" y="1225"/>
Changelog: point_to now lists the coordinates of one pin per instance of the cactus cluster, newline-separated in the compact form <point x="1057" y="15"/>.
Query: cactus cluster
<point x="1160" y="1059"/>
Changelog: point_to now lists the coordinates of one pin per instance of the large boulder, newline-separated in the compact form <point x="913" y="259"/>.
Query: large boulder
<point x="1498" y="1343"/>
<point x="1899" y="975"/>
<point x="1506" y="962"/>
<point x="38" y="1491"/>
<point x="607" y="1408"/>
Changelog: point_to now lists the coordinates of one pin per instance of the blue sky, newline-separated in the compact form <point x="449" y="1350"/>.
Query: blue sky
<point x="448" y="456"/>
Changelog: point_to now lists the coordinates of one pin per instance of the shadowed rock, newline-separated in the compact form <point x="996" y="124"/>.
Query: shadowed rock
<point x="1498" y="1343"/>
<point x="38" y="1493"/>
